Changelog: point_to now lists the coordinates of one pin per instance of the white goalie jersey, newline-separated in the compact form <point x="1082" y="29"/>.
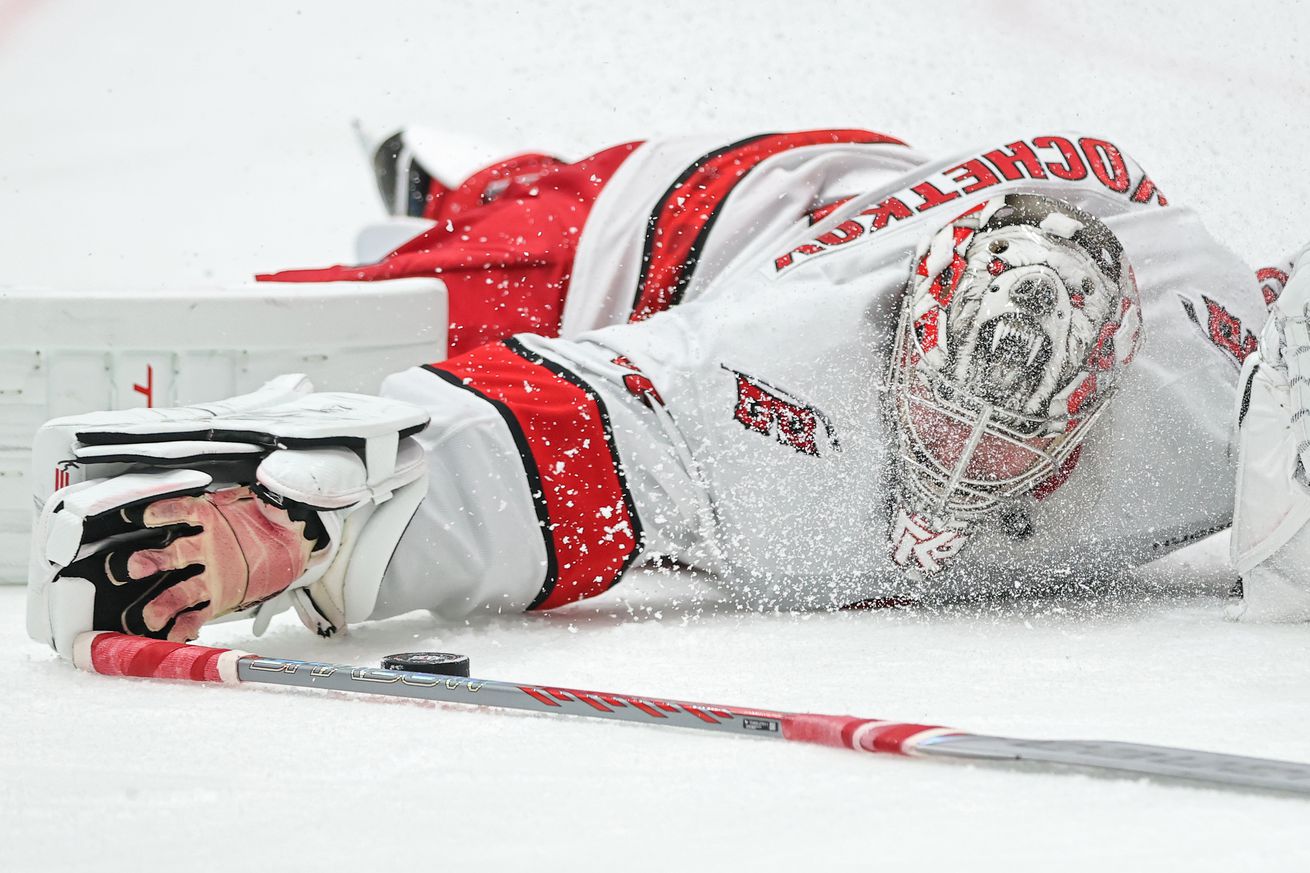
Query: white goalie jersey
<point x="745" y="431"/>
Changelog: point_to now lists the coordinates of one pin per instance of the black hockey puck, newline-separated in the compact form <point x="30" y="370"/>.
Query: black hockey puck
<point x="439" y="663"/>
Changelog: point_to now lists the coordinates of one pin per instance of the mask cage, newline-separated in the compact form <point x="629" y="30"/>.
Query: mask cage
<point x="940" y="491"/>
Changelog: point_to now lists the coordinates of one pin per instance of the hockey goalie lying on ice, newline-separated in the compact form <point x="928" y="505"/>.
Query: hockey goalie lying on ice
<point x="823" y="367"/>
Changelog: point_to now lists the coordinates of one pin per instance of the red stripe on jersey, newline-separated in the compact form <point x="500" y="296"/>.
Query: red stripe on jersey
<point x="678" y="227"/>
<point x="819" y="213"/>
<point x="561" y="428"/>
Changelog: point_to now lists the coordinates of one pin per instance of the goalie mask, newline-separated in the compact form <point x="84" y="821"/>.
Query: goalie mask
<point x="1016" y="326"/>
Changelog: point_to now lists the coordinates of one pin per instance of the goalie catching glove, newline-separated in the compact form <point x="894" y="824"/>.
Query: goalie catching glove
<point x="219" y="509"/>
<point x="1270" y="542"/>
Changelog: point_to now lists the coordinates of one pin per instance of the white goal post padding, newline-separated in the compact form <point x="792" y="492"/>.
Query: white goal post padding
<point x="67" y="352"/>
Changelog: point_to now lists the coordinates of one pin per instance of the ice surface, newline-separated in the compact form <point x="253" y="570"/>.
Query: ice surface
<point x="183" y="142"/>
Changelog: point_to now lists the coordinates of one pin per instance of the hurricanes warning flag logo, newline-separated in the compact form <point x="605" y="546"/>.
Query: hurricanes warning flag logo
<point x="1223" y="329"/>
<point x="764" y="409"/>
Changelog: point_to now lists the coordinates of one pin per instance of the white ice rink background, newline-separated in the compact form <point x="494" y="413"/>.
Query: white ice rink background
<point x="185" y="142"/>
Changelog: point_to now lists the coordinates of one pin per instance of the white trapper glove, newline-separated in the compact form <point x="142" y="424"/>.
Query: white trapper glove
<point x="1270" y="542"/>
<point x="173" y="517"/>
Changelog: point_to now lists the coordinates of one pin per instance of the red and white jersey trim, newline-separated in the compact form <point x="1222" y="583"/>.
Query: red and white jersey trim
<point x="754" y="188"/>
<point x="588" y="520"/>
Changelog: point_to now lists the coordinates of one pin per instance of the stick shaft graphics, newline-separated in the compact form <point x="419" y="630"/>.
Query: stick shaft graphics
<point x="123" y="655"/>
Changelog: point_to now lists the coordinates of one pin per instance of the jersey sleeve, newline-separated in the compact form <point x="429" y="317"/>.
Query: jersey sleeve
<point x="550" y="475"/>
<point x="680" y="210"/>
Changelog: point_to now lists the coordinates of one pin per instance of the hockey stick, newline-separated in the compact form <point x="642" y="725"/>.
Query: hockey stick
<point x="115" y="654"/>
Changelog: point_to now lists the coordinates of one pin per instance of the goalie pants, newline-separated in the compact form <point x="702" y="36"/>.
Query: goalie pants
<point x="550" y="474"/>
